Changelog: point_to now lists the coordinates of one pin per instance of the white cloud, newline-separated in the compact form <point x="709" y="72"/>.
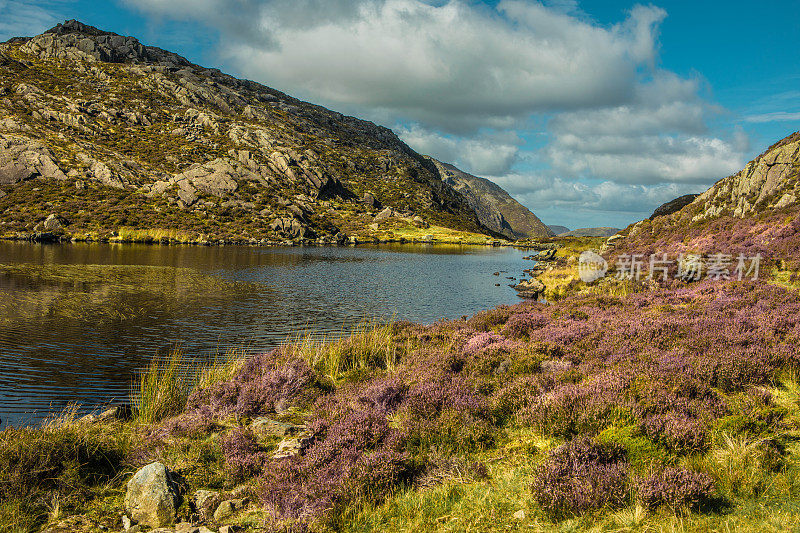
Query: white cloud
<point x="777" y="116"/>
<point x="485" y="154"/>
<point x="454" y="65"/>
<point x="661" y="136"/>
<point x="25" y="18"/>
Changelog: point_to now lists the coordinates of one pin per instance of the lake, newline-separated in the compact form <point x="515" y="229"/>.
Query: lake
<point x="78" y="320"/>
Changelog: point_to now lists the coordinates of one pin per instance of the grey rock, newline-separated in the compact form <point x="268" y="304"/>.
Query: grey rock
<point x="227" y="509"/>
<point x="14" y="173"/>
<point x="55" y="222"/>
<point x="152" y="496"/>
<point x="266" y="426"/>
<point x="202" y="496"/>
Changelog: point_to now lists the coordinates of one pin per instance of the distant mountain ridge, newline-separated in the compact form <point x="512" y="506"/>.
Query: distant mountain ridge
<point x="591" y="232"/>
<point x="496" y="209"/>
<point x="106" y="134"/>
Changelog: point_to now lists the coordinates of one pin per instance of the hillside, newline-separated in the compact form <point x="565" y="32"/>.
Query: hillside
<point x="496" y="209"/>
<point x="590" y="232"/>
<point x="558" y="229"/>
<point x="101" y="136"/>
<point x="754" y="211"/>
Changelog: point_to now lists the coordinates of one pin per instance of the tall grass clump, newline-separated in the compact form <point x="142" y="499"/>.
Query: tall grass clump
<point x="220" y="369"/>
<point x="163" y="388"/>
<point x="370" y="346"/>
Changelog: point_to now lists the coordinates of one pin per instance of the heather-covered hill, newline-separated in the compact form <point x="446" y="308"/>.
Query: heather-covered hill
<point x="113" y="137"/>
<point x="754" y="211"/>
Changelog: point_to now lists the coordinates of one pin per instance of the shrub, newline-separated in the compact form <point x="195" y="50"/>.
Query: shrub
<point x="581" y="476"/>
<point x="677" y="431"/>
<point x="677" y="488"/>
<point x="243" y="456"/>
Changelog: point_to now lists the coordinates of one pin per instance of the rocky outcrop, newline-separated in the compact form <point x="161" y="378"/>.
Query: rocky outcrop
<point x="75" y="41"/>
<point x="770" y="181"/>
<point x="22" y="158"/>
<point x="673" y="205"/>
<point x="496" y="209"/>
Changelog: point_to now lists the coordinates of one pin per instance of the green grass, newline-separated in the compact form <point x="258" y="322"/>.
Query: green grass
<point x="163" y="388"/>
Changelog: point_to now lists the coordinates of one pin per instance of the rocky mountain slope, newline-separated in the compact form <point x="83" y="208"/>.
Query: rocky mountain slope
<point x="754" y="211"/>
<point x="496" y="209"/>
<point x="556" y="229"/>
<point x="101" y="136"/>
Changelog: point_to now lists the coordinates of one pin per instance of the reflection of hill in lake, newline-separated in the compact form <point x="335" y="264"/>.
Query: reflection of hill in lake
<point x="102" y="293"/>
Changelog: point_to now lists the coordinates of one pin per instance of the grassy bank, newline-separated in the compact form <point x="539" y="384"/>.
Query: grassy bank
<point x="670" y="409"/>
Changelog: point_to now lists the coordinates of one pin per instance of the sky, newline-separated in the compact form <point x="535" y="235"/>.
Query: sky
<point x="590" y="113"/>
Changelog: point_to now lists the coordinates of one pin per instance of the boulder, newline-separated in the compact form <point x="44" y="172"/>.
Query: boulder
<point x="370" y="201"/>
<point x="152" y="496"/>
<point x="387" y="212"/>
<point x="531" y="288"/>
<point x="14" y="173"/>
<point x="55" y="222"/>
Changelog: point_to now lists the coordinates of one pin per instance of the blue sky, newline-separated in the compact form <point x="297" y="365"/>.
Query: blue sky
<point x="590" y="113"/>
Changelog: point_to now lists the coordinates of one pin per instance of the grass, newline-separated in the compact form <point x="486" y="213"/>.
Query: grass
<point x="369" y="346"/>
<point x="163" y="388"/>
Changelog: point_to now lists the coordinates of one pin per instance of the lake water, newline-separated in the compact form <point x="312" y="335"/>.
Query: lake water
<point x="78" y="320"/>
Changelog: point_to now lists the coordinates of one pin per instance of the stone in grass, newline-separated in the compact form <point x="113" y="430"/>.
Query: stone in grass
<point x="152" y="496"/>
<point x="228" y="508"/>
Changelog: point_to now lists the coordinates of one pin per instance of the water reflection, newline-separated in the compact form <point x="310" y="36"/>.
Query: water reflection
<point x="77" y="320"/>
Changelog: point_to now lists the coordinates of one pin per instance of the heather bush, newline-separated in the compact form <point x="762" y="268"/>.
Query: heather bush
<point x="244" y="457"/>
<point x="677" y="488"/>
<point x="677" y="431"/>
<point x="520" y="325"/>
<point x="490" y="319"/>
<point x="580" y="408"/>
<point x="581" y="476"/>
<point x="356" y="456"/>
<point x="263" y="385"/>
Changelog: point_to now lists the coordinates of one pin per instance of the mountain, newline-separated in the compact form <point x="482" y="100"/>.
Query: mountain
<point x="591" y="232"/>
<point x="557" y="229"/>
<point x="754" y="211"/>
<point x="496" y="209"/>
<point x="102" y="136"/>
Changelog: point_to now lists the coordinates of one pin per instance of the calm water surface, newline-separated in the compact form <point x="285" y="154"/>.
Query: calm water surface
<point x="77" y="320"/>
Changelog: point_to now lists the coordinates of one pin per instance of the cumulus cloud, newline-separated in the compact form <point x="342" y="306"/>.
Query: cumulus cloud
<point x="492" y="154"/>
<point x="661" y="136"/>
<point x="454" y="65"/>
<point x="542" y="192"/>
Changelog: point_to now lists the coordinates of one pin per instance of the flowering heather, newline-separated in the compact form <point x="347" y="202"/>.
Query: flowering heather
<point x="243" y="455"/>
<point x="660" y="374"/>
<point x="581" y="476"/>
<point x="263" y="385"/>
<point x="677" y="488"/>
